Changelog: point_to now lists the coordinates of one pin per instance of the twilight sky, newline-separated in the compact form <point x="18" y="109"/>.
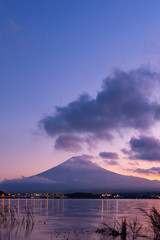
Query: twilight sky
<point x="80" y="77"/>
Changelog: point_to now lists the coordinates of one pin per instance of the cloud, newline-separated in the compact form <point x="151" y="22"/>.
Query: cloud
<point x="143" y="171"/>
<point x="111" y="162"/>
<point x="86" y="157"/>
<point x="31" y="184"/>
<point x="125" y="151"/>
<point x="133" y="163"/>
<point x="34" y="179"/>
<point x="126" y="100"/>
<point x="108" y="155"/>
<point x="68" y="143"/>
<point x="144" y="148"/>
<point x="153" y="170"/>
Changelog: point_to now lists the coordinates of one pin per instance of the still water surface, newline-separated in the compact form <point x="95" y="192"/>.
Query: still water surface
<point x="74" y="219"/>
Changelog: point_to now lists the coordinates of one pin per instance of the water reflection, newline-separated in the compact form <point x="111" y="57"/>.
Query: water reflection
<point x="64" y="215"/>
<point x="46" y="207"/>
<point x="116" y="214"/>
<point x="102" y="211"/>
<point x="9" y="206"/>
<point x="2" y="206"/>
<point x="18" y="207"/>
<point x="13" y="226"/>
<point x="26" y="203"/>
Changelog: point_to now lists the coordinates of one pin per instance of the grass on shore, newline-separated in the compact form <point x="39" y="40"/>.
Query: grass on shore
<point x="132" y="230"/>
<point x="12" y="225"/>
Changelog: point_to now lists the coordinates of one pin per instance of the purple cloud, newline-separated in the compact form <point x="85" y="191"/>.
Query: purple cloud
<point x="153" y="170"/>
<point x="123" y="102"/>
<point x="111" y="162"/>
<point x="108" y="155"/>
<point x="68" y="143"/>
<point x="133" y="163"/>
<point x="125" y="151"/>
<point x="144" y="148"/>
<point x="34" y="179"/>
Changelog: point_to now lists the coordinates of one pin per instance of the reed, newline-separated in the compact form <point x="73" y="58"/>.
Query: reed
<point x="154" y="221"/>
<point x="12" y="225"/>
<point x="123" y="230"/>
<point x="135" y="229"/>
<point x="118" y="230"/>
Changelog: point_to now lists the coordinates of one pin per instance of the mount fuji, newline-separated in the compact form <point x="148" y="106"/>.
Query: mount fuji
<point x="79" y="175"/>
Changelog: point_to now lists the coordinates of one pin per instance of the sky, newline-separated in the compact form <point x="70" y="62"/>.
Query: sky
<point x="79" y="77"/>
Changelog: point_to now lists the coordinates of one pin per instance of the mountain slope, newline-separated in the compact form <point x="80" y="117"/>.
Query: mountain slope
<point x="78" y="174"/>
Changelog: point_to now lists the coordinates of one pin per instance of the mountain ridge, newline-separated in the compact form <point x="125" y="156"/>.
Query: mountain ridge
<point x="79" y="174"/>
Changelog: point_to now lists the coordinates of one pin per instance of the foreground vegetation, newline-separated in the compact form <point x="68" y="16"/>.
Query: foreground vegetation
<point x="12" y="226"/>
<point x="132" y="230"/>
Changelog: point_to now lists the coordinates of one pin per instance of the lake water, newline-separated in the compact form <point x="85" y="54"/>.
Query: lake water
<point x="73" y="219"/>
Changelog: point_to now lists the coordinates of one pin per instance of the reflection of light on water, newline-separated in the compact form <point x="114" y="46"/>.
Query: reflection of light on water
<point x="9" y="206"/>
<point x="26" y="203"/>
<point x="33" y="203"/>
<point x="52" y="206"/>
<point x="108" y="205"/>
<point x="40" y="205"/>
<point x="102" y="211"/>
<point x="46" y="207"/>
<point x="116" y="209"/>
<point x="18" y="207"/>
<point x="58" y="207"/>
<point x="52" y="212"/>
<point x="2" y="206"/>
<point x="63" y="206"/>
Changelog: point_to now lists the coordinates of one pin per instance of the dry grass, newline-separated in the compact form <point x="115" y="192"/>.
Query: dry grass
<point x="135" y="230"/>
<point x="123" y="230"/>
<point x="154" y="221"/>
<point x="118" y="230"/>
<point x="12" y="226"/>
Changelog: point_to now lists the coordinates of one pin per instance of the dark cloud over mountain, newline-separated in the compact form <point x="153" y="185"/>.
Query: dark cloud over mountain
<point x="144" y="148"/>
<point x="111" y="162"/>
<point x="108" y="155"/>
<point x="123" y="102"/>
<point x="68" y="143"/>
<point x="153" y="170"/>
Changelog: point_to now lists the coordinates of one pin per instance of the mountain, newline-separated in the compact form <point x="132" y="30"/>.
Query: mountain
<point x="79" y="175"/>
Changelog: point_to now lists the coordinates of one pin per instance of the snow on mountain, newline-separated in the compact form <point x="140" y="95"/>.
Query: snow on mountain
<point x="80" y="175"/>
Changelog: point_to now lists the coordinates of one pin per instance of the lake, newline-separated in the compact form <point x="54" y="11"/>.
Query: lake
<point x="72" y="218"/>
